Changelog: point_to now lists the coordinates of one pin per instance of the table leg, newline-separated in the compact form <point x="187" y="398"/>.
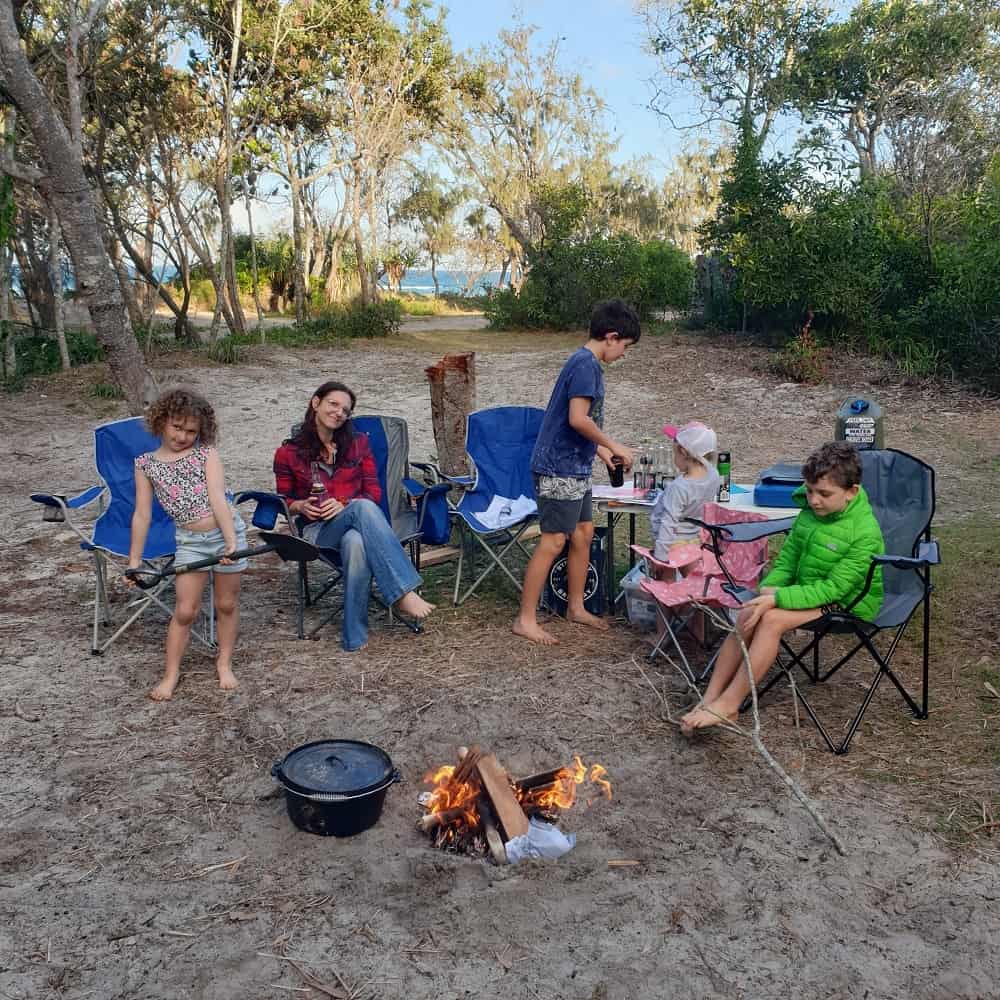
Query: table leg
<point x="609" y="563"/>
<point x="631" y="540"/>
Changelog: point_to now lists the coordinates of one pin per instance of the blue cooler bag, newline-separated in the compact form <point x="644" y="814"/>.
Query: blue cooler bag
<point x="776" y="485"/>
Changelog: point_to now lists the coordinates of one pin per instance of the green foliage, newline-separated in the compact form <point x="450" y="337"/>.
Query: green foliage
<point x="802" y="359"/>
<point x="225" y="351"/>
<point x="335" y="323"/>
<point x="568" y="277"/>
<point x="106" y="390"/>
<point x="40" y="355"/>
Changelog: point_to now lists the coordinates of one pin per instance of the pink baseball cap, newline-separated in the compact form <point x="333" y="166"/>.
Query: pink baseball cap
<point x="695" y="438"/>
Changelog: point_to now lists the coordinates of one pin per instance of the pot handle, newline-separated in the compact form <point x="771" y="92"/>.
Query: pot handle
<point x="275" y="768"/>
<point x="396" y="776"/>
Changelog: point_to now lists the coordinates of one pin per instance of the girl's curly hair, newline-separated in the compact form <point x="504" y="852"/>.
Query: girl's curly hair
<point x="183" y="403"/>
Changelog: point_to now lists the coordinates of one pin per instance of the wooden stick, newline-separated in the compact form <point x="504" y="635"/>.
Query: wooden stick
<point x="493" y="838"/>
<point x="431" y="821"/>
<point x="496" y="784"/>
<point x="547" y="778"/>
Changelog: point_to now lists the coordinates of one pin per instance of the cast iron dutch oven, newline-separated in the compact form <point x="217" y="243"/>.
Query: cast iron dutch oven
<point x="335" y="788"/>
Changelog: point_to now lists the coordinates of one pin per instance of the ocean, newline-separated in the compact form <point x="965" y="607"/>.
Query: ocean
<point x="418" y="281"/>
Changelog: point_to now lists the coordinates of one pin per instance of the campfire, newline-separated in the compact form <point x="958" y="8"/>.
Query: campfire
<point x="475" y="807"/>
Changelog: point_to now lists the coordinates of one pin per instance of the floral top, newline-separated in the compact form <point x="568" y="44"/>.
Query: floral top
<point x="180" y="486"/>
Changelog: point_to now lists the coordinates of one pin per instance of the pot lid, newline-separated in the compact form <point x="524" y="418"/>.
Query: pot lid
<point x="334" y="767"/>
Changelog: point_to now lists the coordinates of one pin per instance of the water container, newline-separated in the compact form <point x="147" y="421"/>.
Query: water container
<point x="859" y="421"/>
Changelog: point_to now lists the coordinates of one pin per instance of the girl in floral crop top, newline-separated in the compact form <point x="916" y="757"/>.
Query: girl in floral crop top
<point x="186" y="475"/>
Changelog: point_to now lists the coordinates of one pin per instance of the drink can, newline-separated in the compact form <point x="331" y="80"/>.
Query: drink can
<point x="725" y="466"/>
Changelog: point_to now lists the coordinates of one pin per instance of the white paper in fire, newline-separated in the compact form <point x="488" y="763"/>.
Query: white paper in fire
<point x="543" y="840"/>
<point x="503" y="512"/>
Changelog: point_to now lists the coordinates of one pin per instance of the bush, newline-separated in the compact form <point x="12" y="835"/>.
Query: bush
<point x="803" y="359"/>
<point x="40" y="355"/>
<point x="226" y="350"/>
<point x="335" y="323"/>
<point x="568" y="277"/>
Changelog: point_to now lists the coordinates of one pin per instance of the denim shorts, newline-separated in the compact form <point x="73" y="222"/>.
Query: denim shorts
<point x="195" y="545"/>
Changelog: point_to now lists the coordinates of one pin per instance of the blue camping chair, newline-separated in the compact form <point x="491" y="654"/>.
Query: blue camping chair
<point x="499" y="442"/>
<point x="417" y="513"/>
<point x="116" y="446"/>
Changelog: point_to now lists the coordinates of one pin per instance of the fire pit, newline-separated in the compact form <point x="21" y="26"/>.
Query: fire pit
<point x="476" y="808"/>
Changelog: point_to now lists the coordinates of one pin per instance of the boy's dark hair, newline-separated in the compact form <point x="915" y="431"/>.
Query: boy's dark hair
<point x="614" y="316"/>
<point x="183" y="403"/>
<point x="838" y="460"/>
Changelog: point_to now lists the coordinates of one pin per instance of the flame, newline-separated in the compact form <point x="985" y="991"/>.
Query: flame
<point x="459" y="799"/>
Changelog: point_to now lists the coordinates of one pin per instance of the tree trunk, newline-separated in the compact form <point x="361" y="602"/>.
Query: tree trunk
<point x="434" y="275"/>
<point x="359" y="246"/>
<point x="453" y="397"/>
<point x="67" y="186"/>
<point x="55" y="276"/>
<point x="254" y="270"/>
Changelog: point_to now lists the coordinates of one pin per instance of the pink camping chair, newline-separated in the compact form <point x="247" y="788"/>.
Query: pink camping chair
<point x="702" y="580"/>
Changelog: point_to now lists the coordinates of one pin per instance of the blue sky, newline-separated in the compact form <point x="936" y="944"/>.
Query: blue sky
<point x="603" y="41"/>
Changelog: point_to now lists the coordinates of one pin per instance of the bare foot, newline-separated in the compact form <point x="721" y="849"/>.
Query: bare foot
<point x="533" y="631"/>
<point x="583" y="617"/>
<point x="705" y="718"/>
<point x="164" y="691"/>
<point x="414" y="605"/>
<point x="227" y="680"/>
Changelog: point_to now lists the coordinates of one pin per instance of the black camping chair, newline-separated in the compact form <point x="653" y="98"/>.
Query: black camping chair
<point x="902" y="494"/>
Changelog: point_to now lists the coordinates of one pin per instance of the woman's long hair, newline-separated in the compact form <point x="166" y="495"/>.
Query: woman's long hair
<point x="307" y="439"/>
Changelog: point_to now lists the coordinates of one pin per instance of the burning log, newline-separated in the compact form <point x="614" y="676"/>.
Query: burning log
<point x="430" y="821"/>
<point x="493" y="839"/>
<point x="475" y="807"/>
<point x="496" y="785"/>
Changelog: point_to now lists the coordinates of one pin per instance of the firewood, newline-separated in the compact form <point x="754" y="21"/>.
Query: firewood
<point x="493" y="838"/>
<point x="430" y="821"/>
<point x="547" y="778"/>
<point x="510" y="815"/>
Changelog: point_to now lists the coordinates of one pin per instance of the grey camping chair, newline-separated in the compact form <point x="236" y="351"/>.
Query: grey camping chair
<point x="901" y="490"/>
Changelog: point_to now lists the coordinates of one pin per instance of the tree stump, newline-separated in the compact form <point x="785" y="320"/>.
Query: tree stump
<point x="453" y="397"/>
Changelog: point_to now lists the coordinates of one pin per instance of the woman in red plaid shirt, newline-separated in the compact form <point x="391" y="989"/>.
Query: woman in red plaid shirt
<point x="327" y="475"/>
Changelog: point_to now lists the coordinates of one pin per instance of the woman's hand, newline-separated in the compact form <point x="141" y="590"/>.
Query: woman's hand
<point x="319" y="510"/>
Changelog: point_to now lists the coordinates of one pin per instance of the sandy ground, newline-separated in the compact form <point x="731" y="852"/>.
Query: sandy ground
<point x="119" y="815"/>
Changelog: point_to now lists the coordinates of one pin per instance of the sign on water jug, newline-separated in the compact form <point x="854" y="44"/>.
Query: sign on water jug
<point x="859" y="422"/>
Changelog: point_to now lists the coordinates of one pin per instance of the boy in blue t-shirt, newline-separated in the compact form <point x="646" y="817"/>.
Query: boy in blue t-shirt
<point x="569" y="438"/>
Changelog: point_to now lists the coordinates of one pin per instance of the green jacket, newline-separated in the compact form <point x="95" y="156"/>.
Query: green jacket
<point x="825" y="560"/>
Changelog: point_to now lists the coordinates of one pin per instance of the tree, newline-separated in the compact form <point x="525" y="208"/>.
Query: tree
<point x="61" y="176"/>
<point x="739" y="55"/>
<point x="517" y="123"/>
<point x="431" y="206"/>
<point x="861" y="75"/>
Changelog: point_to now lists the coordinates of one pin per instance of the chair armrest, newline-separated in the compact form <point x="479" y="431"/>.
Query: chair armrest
<point x="419" y="490"/>
<point x="428" y="468"/>
<point x="744" y="531"/>
<point x="269" y="507"/>
<point x="742" y="594"/>
<point x="463" y="481"/>
<point x="60" y="500"/>
<point x="928" y="554"/>
<point x="57" y="505"/>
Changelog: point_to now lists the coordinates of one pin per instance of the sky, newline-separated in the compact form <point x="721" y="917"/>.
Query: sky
<point x="603" y="40"/>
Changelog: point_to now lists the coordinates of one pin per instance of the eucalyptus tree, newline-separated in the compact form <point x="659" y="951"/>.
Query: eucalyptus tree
<point x="41" y="73"/>
<point x="738" y="56"/>
<point x="888" y="61"/>
<point x="518" y="123"/>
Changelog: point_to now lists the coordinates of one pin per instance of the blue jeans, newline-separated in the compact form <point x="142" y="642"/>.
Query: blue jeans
<point x="367" y="547"/>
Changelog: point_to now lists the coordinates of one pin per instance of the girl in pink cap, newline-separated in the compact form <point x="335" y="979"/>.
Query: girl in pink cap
<point x="696" y="484"/>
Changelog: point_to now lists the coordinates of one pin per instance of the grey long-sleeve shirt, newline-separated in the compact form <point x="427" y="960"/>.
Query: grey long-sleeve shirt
<point x="683" y="497"/>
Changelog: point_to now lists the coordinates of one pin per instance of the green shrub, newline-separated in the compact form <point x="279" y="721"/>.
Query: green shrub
<point x="668" y="277"/>
<point x="106" y="390"/>
<point x="802" y="359"/>
<point x="40" y="355"/>
<point x="202" y="293"/>
<point x="226" y="350"/>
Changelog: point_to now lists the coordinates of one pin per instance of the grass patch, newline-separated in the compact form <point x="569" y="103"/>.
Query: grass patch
<point x="105" y="390"/>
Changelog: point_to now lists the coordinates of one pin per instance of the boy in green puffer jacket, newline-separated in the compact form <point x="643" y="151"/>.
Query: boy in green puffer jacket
<point x="822" y="567"/>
